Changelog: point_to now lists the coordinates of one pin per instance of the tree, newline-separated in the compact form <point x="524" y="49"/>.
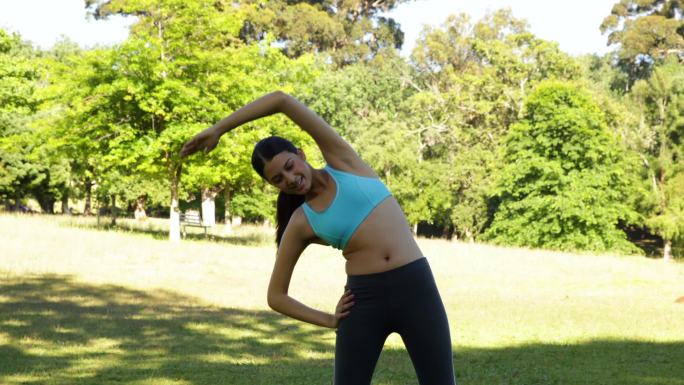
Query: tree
<point x="366" y="103"/>
<point x="19" y="74"/>
<point x="161" y="87"/>
<point x="646" y="32"/>
<point x="472" y="80"/>
<point x="602" y="74"/>
<point x="346" y="31"/>
<point x="250" y="72"/>
<point x="565" y="180"/>
<point x="660" y="100"/>
<point x="182" y="69"/>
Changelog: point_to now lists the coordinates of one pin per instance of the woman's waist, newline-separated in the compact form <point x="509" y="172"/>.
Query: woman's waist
<point x="381" y="256"/>
<point x="377" y="264"/>
<point x="410" y="273"/>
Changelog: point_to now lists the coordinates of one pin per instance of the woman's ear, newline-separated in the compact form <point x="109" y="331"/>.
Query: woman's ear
<point x="300" y="153"/>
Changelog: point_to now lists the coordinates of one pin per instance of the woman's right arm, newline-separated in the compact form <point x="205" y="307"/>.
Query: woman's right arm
<point x="336" y="151"/>
<point x="208" y="139"/>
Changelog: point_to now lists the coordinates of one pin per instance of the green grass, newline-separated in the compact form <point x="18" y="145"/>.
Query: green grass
<point x="81" y="305"/>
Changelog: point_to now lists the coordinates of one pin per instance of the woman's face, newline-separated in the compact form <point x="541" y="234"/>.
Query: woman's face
<point x="289" y="172"/>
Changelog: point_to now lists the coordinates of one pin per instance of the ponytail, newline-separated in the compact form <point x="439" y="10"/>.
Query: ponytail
<point x="287" y="204"/>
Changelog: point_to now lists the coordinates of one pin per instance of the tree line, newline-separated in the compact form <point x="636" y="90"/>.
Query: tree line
<point x="485" y="132"/>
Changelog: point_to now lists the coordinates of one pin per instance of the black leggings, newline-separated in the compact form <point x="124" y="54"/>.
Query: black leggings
<point x="403" y="300"/>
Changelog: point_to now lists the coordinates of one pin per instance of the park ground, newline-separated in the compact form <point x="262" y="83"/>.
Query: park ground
<point x="82" y="303"/>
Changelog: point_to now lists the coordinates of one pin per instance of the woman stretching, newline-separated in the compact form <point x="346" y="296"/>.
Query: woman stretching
<point x="390" y="287"/>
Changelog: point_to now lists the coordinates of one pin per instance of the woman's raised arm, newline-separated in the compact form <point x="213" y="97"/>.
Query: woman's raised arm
<point x="336" y="151"/>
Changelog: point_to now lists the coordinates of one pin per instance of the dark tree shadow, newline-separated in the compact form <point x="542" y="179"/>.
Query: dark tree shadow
<point x="56" y="330"/>
<point x="61" y="329"/>
<point x="615" y="362"/>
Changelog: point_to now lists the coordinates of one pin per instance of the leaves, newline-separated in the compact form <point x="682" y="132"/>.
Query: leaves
<point x="563" y="184"/>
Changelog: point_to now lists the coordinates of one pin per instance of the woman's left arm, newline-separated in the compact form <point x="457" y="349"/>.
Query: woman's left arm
<point x="291" y="247"/>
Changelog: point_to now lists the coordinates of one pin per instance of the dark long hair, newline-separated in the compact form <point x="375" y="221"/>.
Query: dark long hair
<point x="264" y="151"/>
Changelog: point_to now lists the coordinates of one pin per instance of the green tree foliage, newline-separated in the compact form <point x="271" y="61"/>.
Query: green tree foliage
<point x="110" y="121"/>
<point x="346" y="96"/>
<point x="601" y="73"/>
<point x="183" y="68"/>
<point x="366" y="103"/>
<point x="660" y="101"/>
<point x="78" y="81"/>
<point x="19" y="75"/>
<point x="250" y="72"/>
<point x="346" y="31"/>
<point x="58" y="183"/>
<point x="565" y="180"/>
<point x="472" y="80"/>
<point x="646" y="31"/>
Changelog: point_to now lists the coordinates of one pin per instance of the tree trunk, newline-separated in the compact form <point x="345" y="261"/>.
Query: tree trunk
<point x="113" y="209"/>
<point x="88" y="202"/>
<point x="65" y="203"/>
<point x="46" y="205"/>
<point x="236" y="220"/>
<point x="228" y="195"/>
<point x="454" y="236"/>
<point x="469" y="236"/>
<point x="139" y="212"/>
<point x="17" y="201"/>
<point x="667" y="250"/>
<point x="521" y="102"/>
<point x="174" y="212"/>
<point x="208" y="207"/>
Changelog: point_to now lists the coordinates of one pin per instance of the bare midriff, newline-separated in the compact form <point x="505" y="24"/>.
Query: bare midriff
<point x="382" y="242"/>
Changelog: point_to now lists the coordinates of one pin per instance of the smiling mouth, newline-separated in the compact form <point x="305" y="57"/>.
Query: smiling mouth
<point x="300" y="185"/>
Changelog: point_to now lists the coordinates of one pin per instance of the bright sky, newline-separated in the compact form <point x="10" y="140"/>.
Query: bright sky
<point x="574" y="25"/>
<point x="43" y="22"/>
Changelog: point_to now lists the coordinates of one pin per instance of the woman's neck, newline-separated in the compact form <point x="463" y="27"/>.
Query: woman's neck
<point x="320" y="181"/>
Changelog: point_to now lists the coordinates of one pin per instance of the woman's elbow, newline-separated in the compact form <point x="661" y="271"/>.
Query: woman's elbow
<point x="273" y="301"/>
<point x="280" y="96"/>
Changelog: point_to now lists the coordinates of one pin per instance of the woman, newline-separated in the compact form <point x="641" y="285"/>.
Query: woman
<point x="390" y="287"/>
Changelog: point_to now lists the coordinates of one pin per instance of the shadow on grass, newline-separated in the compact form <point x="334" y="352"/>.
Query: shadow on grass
<point x="55" y="330"/>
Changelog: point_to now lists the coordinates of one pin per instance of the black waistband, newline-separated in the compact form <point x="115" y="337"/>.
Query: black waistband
<point x="389" y="275"/>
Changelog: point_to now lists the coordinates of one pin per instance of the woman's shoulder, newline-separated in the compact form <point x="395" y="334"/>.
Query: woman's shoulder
<point x="358" y="168"/>
<point x="297" y="217"/>
<point x="300" y="224"/>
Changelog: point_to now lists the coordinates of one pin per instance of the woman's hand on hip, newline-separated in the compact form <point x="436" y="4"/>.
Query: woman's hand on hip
<point x="204" y="141"/>
<point x="342" y="308"/>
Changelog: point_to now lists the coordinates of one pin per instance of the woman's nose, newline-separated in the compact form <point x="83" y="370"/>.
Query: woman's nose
<point x="290" y="179"/>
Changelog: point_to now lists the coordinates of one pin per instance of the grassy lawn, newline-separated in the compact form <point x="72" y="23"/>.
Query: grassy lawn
<point x="81" y="305"/>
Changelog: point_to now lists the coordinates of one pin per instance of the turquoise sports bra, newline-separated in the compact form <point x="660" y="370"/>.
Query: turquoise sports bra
<point x="355" y="198"/>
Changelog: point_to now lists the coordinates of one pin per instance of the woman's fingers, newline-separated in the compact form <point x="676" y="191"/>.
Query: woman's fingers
<point x="209" y="147"/>
<point x="204" y="141"/>
<point x="345" y="303"/>
<point x="189" y="147"/>
<point x="346" y="297"/>
<point x="343" y="306"/>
